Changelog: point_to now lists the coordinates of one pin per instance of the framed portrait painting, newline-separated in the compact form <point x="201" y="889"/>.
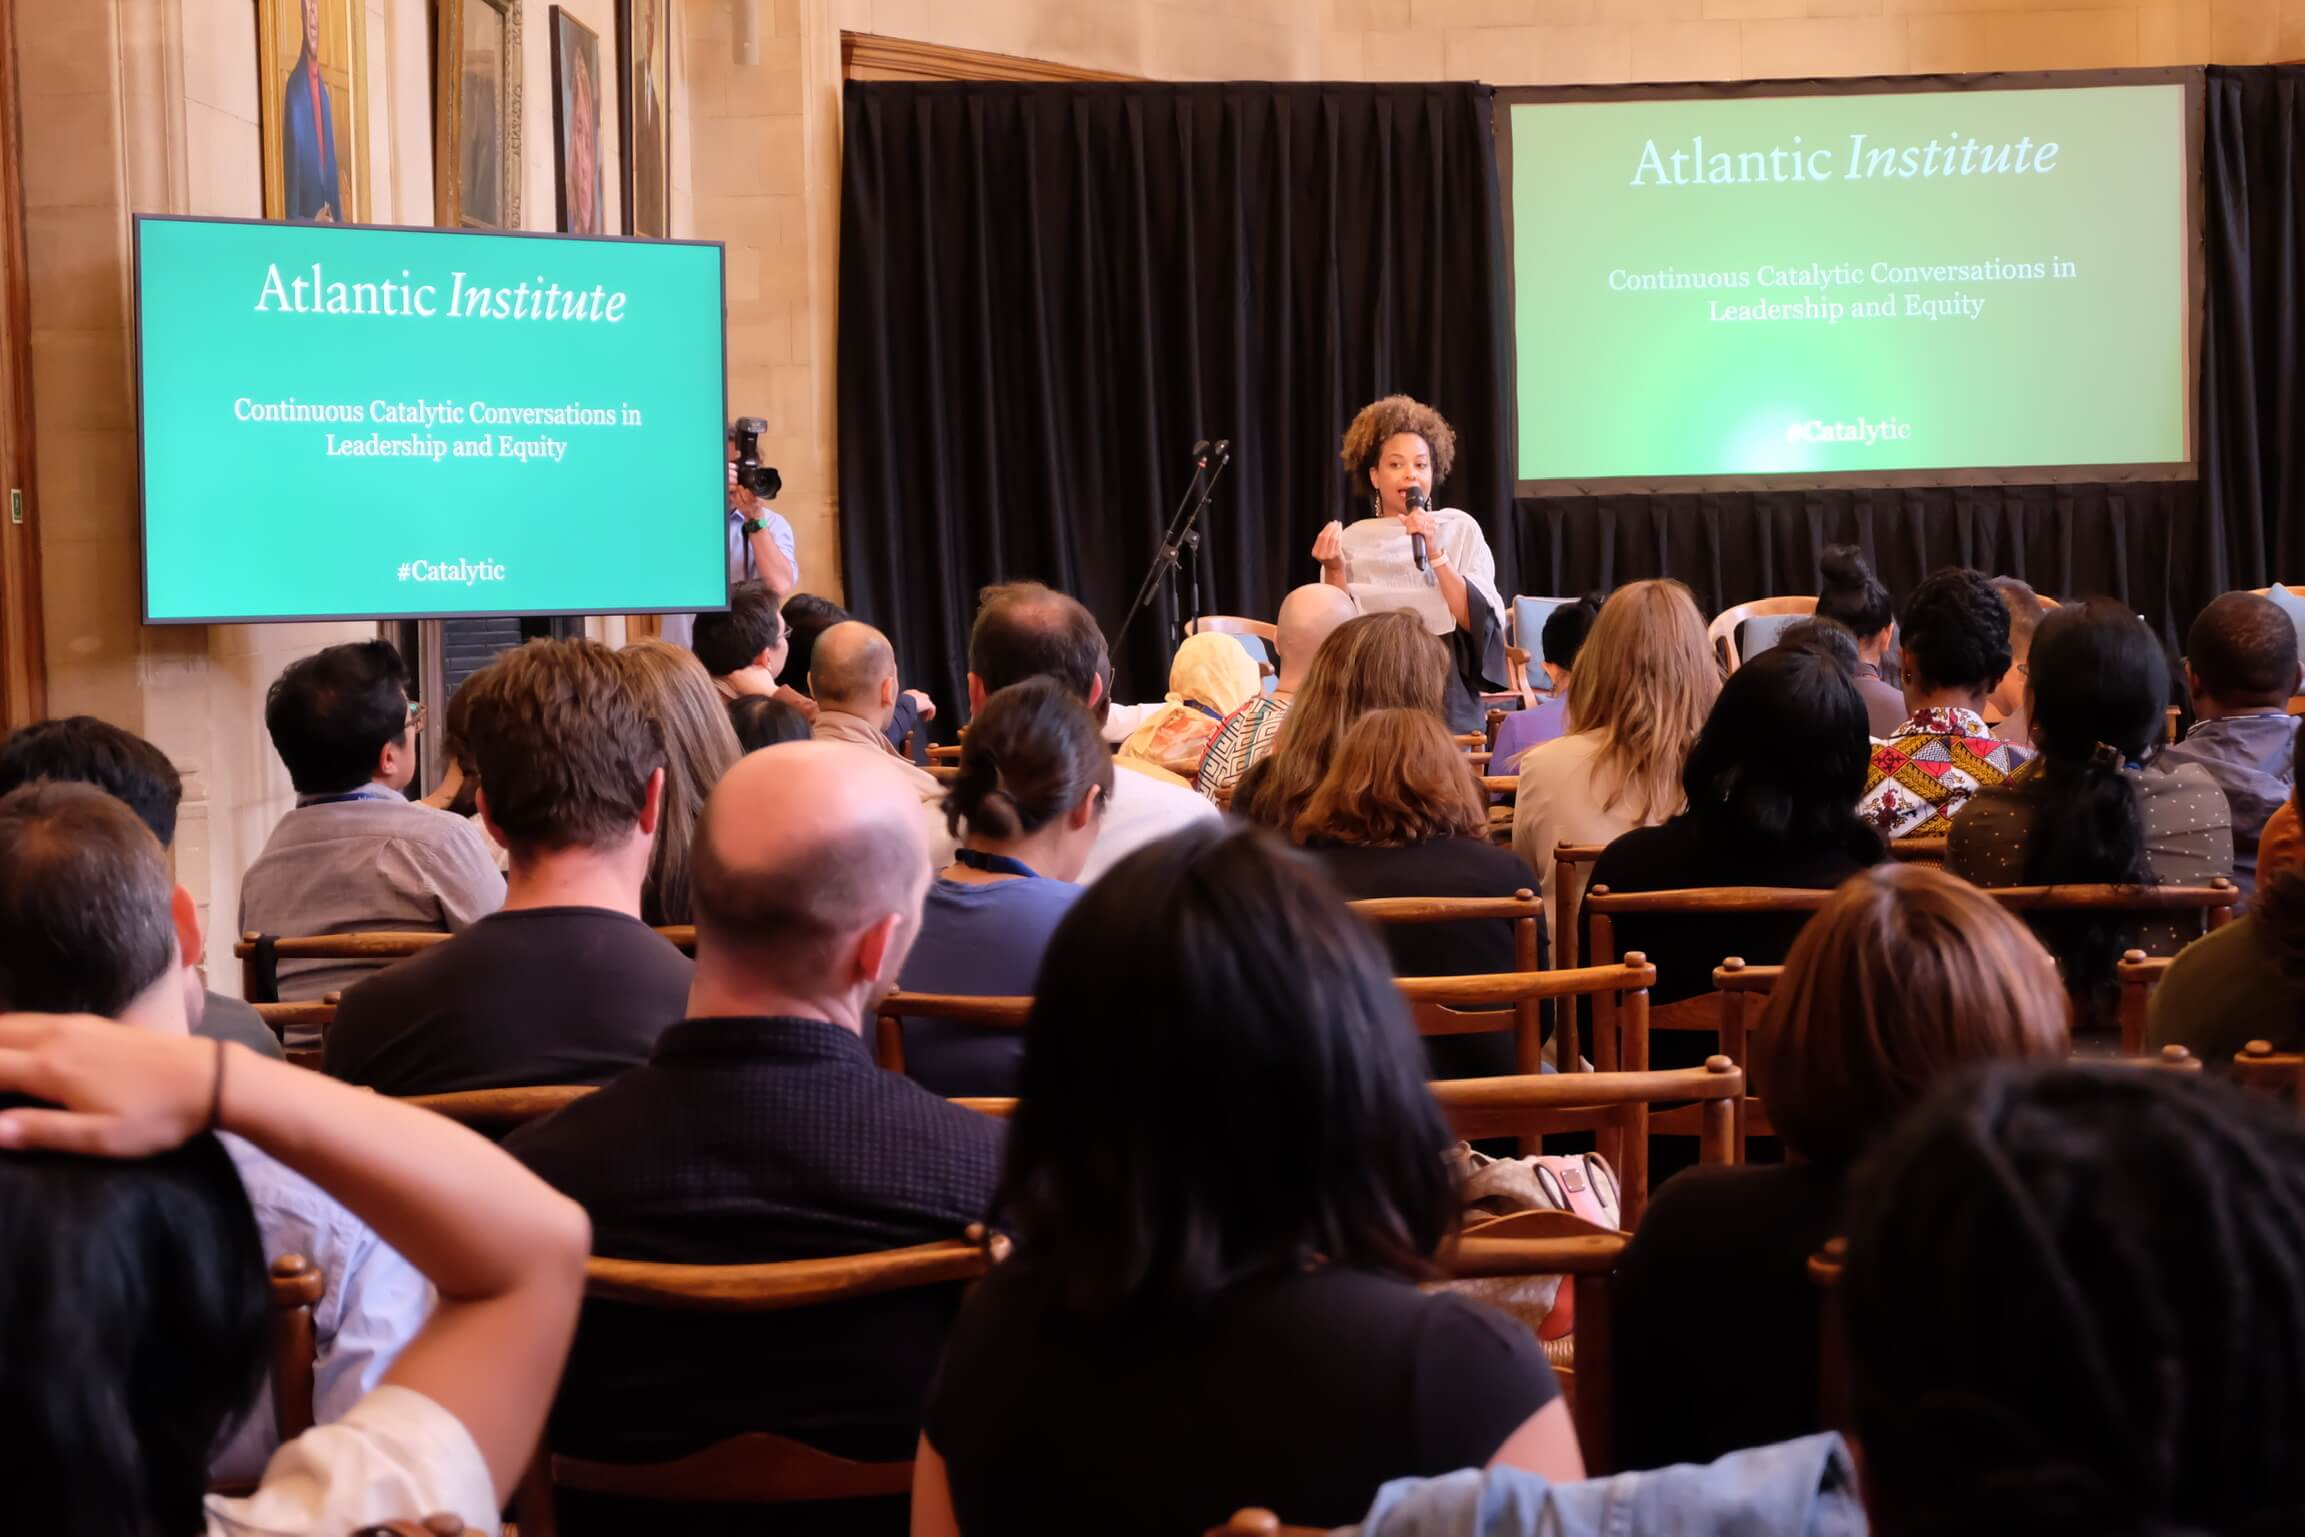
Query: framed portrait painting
<point x="312" y="80"/>
<point x="644" y="49"/>
<point x="576" y="125"/>
<point x="476" y="101"/>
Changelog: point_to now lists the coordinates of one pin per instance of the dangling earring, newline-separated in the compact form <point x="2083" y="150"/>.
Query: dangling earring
<point x="1376" y="505"/>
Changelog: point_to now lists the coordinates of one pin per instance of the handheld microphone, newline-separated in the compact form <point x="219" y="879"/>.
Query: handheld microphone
<point x="1417" y="503"/>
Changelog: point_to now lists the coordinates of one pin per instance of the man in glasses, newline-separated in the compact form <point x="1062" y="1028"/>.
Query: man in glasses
<point x="356" y="855"/>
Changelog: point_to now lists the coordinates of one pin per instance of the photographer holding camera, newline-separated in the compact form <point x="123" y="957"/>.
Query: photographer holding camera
<point x="760" y="547"/>
<point x="760" y="544"/>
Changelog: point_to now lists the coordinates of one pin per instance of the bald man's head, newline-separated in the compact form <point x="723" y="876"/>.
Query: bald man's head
<point x="854" y="669"/>
<point x="805" y="850"/>
<point x="1309" y="615"/>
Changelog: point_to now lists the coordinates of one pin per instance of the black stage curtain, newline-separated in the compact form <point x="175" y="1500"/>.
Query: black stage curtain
<point x="1049" y="292"/>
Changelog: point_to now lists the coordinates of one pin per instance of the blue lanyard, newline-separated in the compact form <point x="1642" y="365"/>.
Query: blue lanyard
<point x="993" y="864"/>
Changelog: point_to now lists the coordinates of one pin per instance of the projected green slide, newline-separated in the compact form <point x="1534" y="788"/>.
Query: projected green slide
<point x="353" y="422"/>
<point x="1812" y="285"/>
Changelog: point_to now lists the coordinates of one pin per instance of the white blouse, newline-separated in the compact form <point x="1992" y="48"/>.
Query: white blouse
<point x="397" y="1456"/>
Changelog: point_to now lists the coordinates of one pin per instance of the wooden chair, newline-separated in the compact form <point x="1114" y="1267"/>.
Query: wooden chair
<point x="2260" y="1068"/>
<point x="493" y="1112"/>
<point x="757" y="1467"/>
<point x="1228" y="624"/>
<point x="1572" y="867"/>
<point x="1469" y="1005"/>
<point x="2213" y="901"/>
<point x="280" y="1018"/>
<point x="2139" y="974"/>
<point x="941" y="752"/>
<point x="896" y="1008"/>
<point x="1536" y="1243"/>
<point x="1721" y="634"/>
<point x="1616" y="1106"/>
<point x="295" y="1288"/>
<point x="1918" y="851"/>
<point x="1522" y="910"/>
<point x="260" y="954"/>
<point x="1500" y="791"/>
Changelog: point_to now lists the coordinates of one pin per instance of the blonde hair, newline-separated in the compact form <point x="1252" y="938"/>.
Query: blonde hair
<point x="1644" y="682"/>
<point x="700" y="746"/>
<point x="1374" y="662"/>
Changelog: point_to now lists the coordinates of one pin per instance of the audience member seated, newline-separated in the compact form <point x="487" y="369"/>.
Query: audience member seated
<point x="1308" y="617"/>
<point x="90" y="923"/>
<point x="1955" y="643"/>
<point x="1225" y="1177"/>
<point x="2060" y="1284"/>
<point x="1210" y="677"/>
<point x="1400" y="814"/>
<point x="1906" y="976"/>
<point x="2085" y="811"/>
<point x="1383" y="661"/>
<point x="1025" y="630"/>
<point x="2246" y="981"/>
<point x="1548" y="719"/>
<point x="763" y="721"/>
<point x="2005" y="706"/>
<point x="1770" y="787"/>
<point x="1637" y="699"/>
<point x="458" y="792"/>
<point x="1034" y="774"/>
<point x="699" y="746"/>
<point x="853" y="680"/>
<point x="1852" y="597"/>
<point x="2074" y="1305"/>
<point x="2241" y="669"/>
<point x="85" y="750"/>
<point x="565" y="984"/>
<point x="1830" y="639"/>
<point x="743" y="647"/>
<point x="356" y="854"/>
<point x="761" y="1130"/>
<point x="807" y="616"/>
<point x="148" y="1180"/>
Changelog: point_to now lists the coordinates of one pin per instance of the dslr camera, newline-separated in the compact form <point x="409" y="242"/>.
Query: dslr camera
<point x="760" y="479"/>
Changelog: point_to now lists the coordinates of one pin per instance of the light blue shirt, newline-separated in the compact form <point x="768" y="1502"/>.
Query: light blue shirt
<point x="1804" y="1488"/>
<point x="373" y="1304"/>
<point x="2248" y="756"/>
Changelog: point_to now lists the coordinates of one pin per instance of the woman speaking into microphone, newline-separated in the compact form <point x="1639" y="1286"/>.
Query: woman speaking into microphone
<point x="1410" y="554"/>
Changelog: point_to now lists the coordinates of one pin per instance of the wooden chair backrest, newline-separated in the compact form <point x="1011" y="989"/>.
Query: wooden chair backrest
<point x="1918" y="851"/>
<point x="897" y="1007"/>
<point x="1721" y="634"/>
<point x="497" y="1111"/>
<point x="1229" y="624"/>
<point x="1572" y="864"/>
<point x="2260" y="1068"/>
<point x="1456" y="1005"/>
<point x="2139" y="974"/>
<point x="374" y="945"/>
<point x="1618" y="1106"/>
<point x="943" y="752"/>
<point x="296" y="1289"/>
<point x="1615" y="1045"/>
<point x="1555" y="1243"/>
<point x="756" y="1468"/>
<point x="1522" y="910"/>
<point x="281" y="1017"/>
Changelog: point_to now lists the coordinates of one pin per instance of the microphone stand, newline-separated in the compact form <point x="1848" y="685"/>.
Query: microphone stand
<point x="1182" y="534"/>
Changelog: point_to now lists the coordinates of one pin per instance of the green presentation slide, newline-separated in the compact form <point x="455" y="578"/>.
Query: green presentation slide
<point x="1938" y="280"/>
<point x="345" y="423"/>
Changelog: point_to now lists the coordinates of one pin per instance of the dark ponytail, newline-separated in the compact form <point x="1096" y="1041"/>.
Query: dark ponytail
<point x="1849" y="594"/>
<point x="1027" y="758"/>
<point x="2100" y="689"/>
